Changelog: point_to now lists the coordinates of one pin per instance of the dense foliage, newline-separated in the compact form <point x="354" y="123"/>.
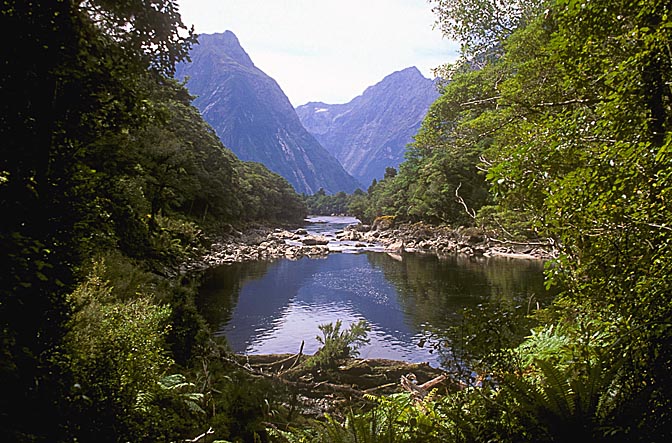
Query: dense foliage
<point x="360" y="204"/>
<point x="565" y="107"/>
<point x="108" y="177"/>
<point x="340" y="203"/>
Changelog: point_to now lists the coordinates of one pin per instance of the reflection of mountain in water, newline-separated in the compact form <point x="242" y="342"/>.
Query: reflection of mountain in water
<point x="253" y="293"/>
<point x="218" y="293"/>
<point x="262" y="302"/>
<point x="350" y="281"/>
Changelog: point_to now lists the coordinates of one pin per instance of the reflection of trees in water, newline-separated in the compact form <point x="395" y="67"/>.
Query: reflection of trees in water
<point x="432" y="290"/>
<point x="220" y="288"/>
<point x="429" y="292"/>
<point x="434" y="293"/>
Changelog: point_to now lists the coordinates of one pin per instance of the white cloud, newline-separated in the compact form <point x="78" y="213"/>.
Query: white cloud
<point x="327" y="50"/>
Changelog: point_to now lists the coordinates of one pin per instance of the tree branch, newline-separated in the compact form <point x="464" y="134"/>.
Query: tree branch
<point x="479" y="102"/>
<point x="200" y="437"/>
<point x="565" y="103"/>
<point x="460" y="200"/>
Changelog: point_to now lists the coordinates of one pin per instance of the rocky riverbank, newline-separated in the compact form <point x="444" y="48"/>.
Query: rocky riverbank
<point x="265" y="243"/>
<point x="256" y="243"/>
<point x="443" y="240"/>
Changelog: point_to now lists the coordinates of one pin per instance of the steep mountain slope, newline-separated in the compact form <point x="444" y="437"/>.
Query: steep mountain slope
<point x="254" y="118"/>
<point x="371" y="132"/>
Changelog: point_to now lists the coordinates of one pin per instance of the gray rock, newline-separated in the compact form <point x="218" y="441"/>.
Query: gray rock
<point x="314" y="241"/>
<point x="395" y="247"/>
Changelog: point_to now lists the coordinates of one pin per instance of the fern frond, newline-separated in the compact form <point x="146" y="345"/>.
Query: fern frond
<point x="174" y="382"/>
<point x="557" y="390"/>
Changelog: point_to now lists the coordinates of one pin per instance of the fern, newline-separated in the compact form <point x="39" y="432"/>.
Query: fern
<point x="393" y="419"/>
<point x="556" y="391"/>
<point x="177" y="385"/>
<point x="570" y="402"/>
<point x="546" y="344"/>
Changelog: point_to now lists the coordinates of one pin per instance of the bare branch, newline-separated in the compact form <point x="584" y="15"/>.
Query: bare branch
<point x="653" y="225"/>
<point x="484" y="160"/>
<point x="480" y="102"/>
<point x="549" y="242"/>
<point x="461" y="201"/>
<point x="493" y="130"/>
<point x="200" y="437"/>
<point x="567" y="102"/>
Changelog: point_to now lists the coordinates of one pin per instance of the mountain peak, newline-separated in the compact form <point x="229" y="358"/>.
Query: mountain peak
<point x="370" y="133"/>
<point x="411" y="71"/>
<point x="253" y="117"/>
<point x="226" y="43"/>
<point x="410" y="75"/>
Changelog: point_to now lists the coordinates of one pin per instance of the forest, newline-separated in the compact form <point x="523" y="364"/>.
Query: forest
<point x="555" y="123"/>
<point x="109" y="180"/>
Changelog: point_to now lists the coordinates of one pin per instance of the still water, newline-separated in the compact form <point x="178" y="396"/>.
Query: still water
<point x="271" y="307"/>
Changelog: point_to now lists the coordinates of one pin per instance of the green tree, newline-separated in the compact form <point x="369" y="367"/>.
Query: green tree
<point x="268" y="196"/>
<point x="567" y="105"/>
<point x="481" y="26"/>
<point x="358" y="204"/>
<point x="73" y="73"/>
<point x="587" y="156"/>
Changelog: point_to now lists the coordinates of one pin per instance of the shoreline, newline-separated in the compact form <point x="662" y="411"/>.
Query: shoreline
<point x="270" y="243"/>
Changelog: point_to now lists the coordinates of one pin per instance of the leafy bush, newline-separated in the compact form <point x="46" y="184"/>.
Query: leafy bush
<point x="175" y="240"/>
<point x="396" y="418"/>
<point x="337" y="344"/>
<point x="116" y="352"/>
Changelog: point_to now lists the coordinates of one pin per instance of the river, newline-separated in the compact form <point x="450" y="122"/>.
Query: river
<point x="408" y="301"/>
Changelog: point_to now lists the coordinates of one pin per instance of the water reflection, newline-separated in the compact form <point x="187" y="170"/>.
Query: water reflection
<point x="270" y="307"/>
<point x="434" y="291"/>
<point x="221" y="286"/>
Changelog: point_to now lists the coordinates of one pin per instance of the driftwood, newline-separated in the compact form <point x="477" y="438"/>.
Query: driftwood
<point x="418" y="392"/>
<point x="279" y="365"/>
<point x="518" y="243"/>
<point x="320" y="391"/>
<point x="310" y="388"/>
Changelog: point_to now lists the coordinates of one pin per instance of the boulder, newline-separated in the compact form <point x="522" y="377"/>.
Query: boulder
<point x="395" y="247"/>
<point x="315" y="241"/>
<point x="383" y="223"/>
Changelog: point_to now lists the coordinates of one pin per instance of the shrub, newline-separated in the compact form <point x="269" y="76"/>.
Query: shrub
<point x="338" y="345"/>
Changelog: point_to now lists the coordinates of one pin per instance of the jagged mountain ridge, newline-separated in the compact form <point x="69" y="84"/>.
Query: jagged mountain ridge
<point x="371" y="132"/>
<point x="254" y="118"/>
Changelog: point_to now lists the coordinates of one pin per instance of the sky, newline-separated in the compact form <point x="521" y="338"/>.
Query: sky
<point x="327" y="50"/>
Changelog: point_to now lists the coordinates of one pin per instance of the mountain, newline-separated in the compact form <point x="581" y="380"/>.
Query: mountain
<point x="254" y="118"/>
<point x="371" y="132"/>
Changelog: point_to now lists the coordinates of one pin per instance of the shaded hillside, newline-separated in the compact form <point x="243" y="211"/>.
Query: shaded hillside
<point x="254" y="118"/>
